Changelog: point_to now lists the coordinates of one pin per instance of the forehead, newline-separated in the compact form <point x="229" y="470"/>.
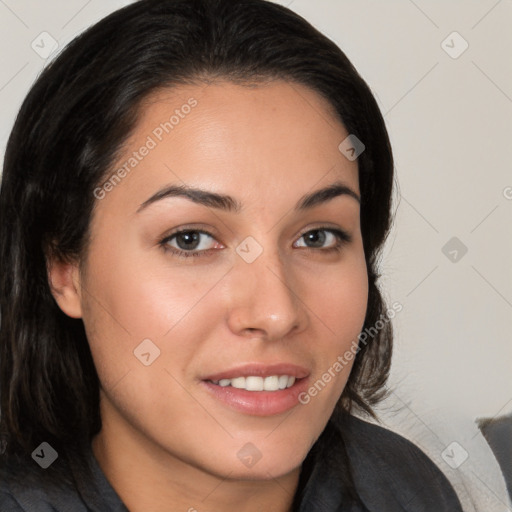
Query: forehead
<point x="236" y="139"/>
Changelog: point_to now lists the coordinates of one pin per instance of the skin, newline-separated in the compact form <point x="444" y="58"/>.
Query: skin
<point x="166" y="443"/>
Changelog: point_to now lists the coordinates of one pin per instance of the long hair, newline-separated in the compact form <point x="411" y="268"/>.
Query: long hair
<point x="69" y="132"/>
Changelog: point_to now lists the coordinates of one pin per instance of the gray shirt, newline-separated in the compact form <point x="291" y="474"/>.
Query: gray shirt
<point x="390" y="474"/>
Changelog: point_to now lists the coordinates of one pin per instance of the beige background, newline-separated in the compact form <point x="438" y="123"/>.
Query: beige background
<point x="450" y="122"/>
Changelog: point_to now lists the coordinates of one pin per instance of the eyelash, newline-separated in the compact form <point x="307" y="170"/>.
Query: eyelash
<point x="342" y="238"/>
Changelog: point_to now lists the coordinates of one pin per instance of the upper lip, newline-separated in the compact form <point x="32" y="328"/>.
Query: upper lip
<point x="260" y="370"/>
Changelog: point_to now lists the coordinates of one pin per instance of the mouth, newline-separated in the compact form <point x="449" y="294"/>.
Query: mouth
<point x="258" y="390"/>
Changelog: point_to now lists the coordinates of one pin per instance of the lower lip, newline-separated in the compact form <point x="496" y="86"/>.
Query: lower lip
<point x="258" y="403"/>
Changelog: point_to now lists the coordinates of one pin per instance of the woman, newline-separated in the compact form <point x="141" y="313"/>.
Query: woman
<point x="194" y="198"/>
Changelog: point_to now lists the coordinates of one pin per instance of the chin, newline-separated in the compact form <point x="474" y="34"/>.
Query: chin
<point x="267" y="459"/>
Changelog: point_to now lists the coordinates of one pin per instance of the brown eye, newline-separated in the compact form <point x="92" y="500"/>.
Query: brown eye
<point x="335" y="239"/>
<point x="188" y="242"/>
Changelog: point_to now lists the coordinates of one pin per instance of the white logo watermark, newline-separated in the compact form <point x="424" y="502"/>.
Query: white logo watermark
<point x="343" y="360"/>
<point x="151" y="143"/>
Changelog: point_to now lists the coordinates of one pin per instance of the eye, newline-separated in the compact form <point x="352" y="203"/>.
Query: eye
<point x="189" y="243"/>
<point x="318" y="238"/>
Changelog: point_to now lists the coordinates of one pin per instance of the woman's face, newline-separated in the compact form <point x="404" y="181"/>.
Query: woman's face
<point x="262" y="298"/>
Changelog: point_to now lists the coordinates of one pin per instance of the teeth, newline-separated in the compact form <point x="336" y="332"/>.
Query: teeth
<point x="283" y="381"/>
<point x="271" y="383"/>
<point x="238" y="382"/>
<point x="254" y="383"/>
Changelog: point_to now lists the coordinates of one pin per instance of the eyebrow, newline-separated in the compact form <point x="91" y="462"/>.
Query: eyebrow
<point x="230" y="204"/>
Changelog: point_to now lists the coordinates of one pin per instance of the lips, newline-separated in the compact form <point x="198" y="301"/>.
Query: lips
<point x="260" y="370"/>
<point x="246" y="395"/>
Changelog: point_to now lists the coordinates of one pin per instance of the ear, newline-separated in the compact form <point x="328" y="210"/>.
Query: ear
<point x="64" y="281"/>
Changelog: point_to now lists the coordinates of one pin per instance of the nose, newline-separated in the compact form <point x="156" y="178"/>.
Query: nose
<point x="264" y="299"/>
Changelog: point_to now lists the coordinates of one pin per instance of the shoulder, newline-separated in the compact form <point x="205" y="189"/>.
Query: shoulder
<point x="10" y="493"/>
<point x="7" y="501"/>
<point x="405" y="476"/>
<point x="29" y="502"/>
<point x="22" y="491"/>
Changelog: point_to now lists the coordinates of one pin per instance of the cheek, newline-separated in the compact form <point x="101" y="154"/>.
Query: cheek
<point x="147" y="294"/>
<point x="341" y="302"/>
<point x="133" y="299"/>
<point x="340" y="299"/>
